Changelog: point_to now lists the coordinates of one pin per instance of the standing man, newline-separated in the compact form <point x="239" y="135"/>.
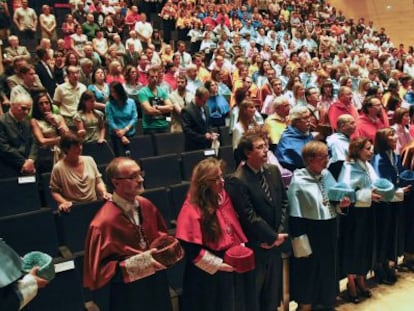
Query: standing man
<point x="338" y="143"/>
<point x="342" y="106"/>
<point x="117" y="248"/>
<point x="259" y="196"/>
<point x="18" y="149"/>
<point x="155" y="105"/>
<point x="195" y="121"/>
<point x="25" y="19"/>
<point x="180" y="98"/>
<point x="67" y="95"/>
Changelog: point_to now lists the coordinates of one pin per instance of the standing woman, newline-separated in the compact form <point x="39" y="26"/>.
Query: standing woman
<point x="47" y="128"/>
<point x="48" y="24"/>
<point x="245" y="122"/>
<point x="389" y="216"/>
<point x="357" y="228"/>
<point x="89" y="122"/>
<point x="207" y="226"/>
<point x="401" y="127"/>
<point x="314" y="277"/>
<point x="75" y="178"/>
<point x="121" y="115"/>
<point x="78" y="41"/>
<point x="99" y="88"/>
<point x="68" y="28"/>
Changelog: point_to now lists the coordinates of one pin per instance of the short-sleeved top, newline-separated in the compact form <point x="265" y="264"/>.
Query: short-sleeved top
<point x="73" y="187"/>
<point x="153" y="122"/>
<point x="68" y="96"/>
<point x="92" y="126"/>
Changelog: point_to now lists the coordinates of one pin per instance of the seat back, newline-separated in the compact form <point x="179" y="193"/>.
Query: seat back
<point x="161" y="199"/>
<point x="178" y="194"/>
<point x="32" y="231"/>
<point x="167" y="143"/>
<point x="190" y="159"/>
<point x="102" y="153"/>
<point x="226" y="153"/>
<point x="19" y="195"/>
<point x="73" y="226"/>
<point x="46" y="193"/>
<point x="141" y="146"/>
<point x="225" y="137"/>
<point x="161" y="171"/>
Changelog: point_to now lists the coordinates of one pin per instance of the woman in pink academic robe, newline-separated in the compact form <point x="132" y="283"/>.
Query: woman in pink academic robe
<point x="207" y="226"/>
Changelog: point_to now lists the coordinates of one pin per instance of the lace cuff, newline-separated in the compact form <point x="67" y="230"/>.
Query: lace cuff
<point x="208" y="262"/>
<point x="26" y="289"/>
<point x="137" y="267"/>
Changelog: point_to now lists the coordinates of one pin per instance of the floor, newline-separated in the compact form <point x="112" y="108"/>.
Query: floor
<point x="399" y="297"/>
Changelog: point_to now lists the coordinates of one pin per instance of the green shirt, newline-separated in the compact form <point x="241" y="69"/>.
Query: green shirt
<point x="149" y="121"/>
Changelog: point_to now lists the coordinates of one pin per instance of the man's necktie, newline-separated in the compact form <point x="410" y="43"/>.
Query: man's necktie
<point x="265" y="185"/>
<point x="203" y="114"/>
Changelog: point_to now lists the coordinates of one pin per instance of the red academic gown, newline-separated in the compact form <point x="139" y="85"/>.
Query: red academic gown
<point x="111" y="239"/>
<point x="222" y="291"/>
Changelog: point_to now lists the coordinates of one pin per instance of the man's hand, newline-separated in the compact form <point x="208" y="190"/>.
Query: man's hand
<point x="40" y="282"/>
<point x="281" y="237"/>
<point x="28" y="167"/>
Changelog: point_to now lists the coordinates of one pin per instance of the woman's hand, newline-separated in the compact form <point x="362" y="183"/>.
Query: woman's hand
<point x="345" y="202"/>
<point x="65" y="206"/>
<point x="107" y="196"/>
<point x="375" y="197"/>
<point x="225" y="267"/>
<point x="406" y="189"/>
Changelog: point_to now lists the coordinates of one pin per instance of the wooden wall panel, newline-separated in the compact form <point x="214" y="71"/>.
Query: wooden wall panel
<point x="396" y="16"/>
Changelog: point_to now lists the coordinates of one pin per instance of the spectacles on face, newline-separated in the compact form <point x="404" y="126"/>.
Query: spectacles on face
<point x="133" y="176"/>
<point x="24" y="108"/>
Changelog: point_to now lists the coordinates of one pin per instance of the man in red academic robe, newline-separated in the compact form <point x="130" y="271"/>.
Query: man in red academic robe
<point x="117" y="245"/>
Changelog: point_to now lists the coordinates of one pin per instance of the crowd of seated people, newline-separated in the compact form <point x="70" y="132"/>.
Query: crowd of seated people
<point x="301" y="68"/>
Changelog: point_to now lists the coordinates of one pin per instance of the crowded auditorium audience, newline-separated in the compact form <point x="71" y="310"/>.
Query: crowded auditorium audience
<point x="336" y="98"/>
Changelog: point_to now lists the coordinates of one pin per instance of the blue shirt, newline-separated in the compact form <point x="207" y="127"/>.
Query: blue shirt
<point x="119" y="117"/>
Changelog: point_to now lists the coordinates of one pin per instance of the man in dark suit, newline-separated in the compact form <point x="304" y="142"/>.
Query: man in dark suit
<point x="131" y="56"/>
<point x="17" y="146"/>
<point x="44" y="72"/>
<point x="259" y="196"/>
<point x="195" y="121"/>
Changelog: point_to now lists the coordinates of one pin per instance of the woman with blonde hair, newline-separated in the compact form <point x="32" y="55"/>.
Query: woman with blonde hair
<point x="207" y="227"/>
<point x="246" y="121"/>
<point x="115" y="73"/>
<point x="359" y="96"/>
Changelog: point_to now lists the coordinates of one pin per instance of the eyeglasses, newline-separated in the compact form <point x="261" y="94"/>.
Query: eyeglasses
<point x="132" y="176"/>
<point x="24" y="108"/>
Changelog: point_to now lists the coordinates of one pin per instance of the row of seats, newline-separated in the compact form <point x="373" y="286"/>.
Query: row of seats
<point x="23" y="193"/>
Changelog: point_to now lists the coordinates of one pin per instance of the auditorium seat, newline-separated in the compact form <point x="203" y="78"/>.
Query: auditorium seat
<point x="73" y="226"/>
<point x="141" y="146"/>
<point x="178" y="194"/>
<point x="226" y="153"/>
<point x="32" y="231"/>
<point x="167" y="143"/>
<point x="161" y="199"/>
<point x="45" y="190"/>
<point x="190" y="159"/>
<point x="19" y="195"/>
<point x="102" y="153"/>
<point x="6" y="171"/>
<point x="161" y="171"/>
<point x="225" y="137"/>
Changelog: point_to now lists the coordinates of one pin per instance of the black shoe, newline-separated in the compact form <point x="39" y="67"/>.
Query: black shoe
<point x="352" y="298"/>
<point x="364" y="292"/>
<point x="391" y="275"/>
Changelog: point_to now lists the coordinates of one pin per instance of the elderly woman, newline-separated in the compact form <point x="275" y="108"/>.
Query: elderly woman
<point x="75" y="178"/>
<point x="357" y="228"/>
<point x="207" y="226"/>
<point x="296" y="135"/>
<point x="313" y="278"/>
<point x="389" y="216"/>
